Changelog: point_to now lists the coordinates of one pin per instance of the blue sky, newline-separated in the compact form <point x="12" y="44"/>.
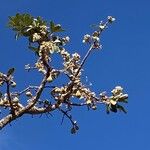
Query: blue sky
<point x="124" y="60"/>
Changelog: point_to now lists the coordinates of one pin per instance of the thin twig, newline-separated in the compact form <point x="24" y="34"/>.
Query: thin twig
<point x="26" y="89"/>
<point x="68" y="116"/>
<point x="9" y="98"/>
<point x="84" y="59"/>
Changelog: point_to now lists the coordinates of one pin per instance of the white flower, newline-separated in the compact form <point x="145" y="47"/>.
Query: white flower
<point x="67" y="38"/>
<point x="95" y="38"/>
<point x="102" y="27"/>
<point x="86" y="38"/>
<point x="13" y="84"/>
<point x="76" y="56"/>
<point x="15" y="99"/>
<point x="36" y="37"/>
<point x="117" y="90"/>
<point x="29" y="94"/>
<point x="111" y="19"/>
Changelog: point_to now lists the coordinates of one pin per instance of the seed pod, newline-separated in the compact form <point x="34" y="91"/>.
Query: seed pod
<point x="73" y="130"/>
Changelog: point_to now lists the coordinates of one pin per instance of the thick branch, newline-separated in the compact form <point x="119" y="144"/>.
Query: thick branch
<point x="9" y="118"/>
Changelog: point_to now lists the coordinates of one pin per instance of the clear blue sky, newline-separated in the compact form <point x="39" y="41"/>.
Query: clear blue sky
<point x="124" y="60"/>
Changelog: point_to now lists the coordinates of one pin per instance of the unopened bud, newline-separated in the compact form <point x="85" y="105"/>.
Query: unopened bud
<point x="29" y="94"/>
<point x="49" y="79"/>
<point x="15" y="99"/>
<point x="111" y="19"/>
<point x="13" y="84"/>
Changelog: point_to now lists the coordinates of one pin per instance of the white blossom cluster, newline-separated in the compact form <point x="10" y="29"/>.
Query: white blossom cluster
<point x="117" y="96"/>
<point x="94" y="39"/>
<point x="45" y="42"/>
<point x="71" y="64"/>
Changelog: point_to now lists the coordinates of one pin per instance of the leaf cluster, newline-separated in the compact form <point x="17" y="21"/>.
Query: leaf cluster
<point x="26" y="25"/>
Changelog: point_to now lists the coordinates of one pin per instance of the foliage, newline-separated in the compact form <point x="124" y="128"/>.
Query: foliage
<point x="44" y="41"/>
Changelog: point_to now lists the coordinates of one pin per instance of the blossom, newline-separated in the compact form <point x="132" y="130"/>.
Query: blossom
<point x="86" y="38"/>
<point x="35" y="37"/>
<point x="111" y="19"/>
<point x="117" y="90"/>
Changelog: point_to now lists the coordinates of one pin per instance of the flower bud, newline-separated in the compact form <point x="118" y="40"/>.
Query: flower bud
<point x="113" y="102"/>
<point x="13" y="84"/>
<point x="15" y="99"/>
<point x="49" y="79"/>
<point x="111" y="19"/>
<point x="29" y="94"/>
<point x="88" y="102"/>
<point x="94" y="107"/>
<point x="86" y="38"/>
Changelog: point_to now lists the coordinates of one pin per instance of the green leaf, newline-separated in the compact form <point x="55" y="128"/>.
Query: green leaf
<point x="113" y="108"/>
<point x="121" y="108"/>
<point x="25" y="24"/>
<point x="125" y="101"/>
<point x="52" y="25"/>
<point x="10" y="71"/>
<point x="107" y="109"/>
<point x="55" y="27"/>
<point x="34" y="49"/>
<point x="1" y="94"/>
<point x="40" y="21"/>
<point x="19" y="22"/>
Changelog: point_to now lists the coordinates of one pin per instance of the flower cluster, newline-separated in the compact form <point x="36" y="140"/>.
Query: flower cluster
<point x="7" y="78"/>
<point x="53" y="75"/>
<point x="65" y="55"/>
<point x="94" y="39"/>
<point x="118" y="95"/>
<point x="112" y="102"/>
<point x="71" y="64"/>
<point x="40" y="66"/>
<point x="2" y="76"/>
<point x="77" y="91"/>
<point x="60" y="41"/>
<point x="4" y="101"/>
<point x="36" y="37"/>
<point x="82" y="92"/>
<point x="47" y="48"/>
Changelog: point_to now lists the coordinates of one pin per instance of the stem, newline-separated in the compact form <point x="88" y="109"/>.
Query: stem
<point x="68" y="116"/>
<point x="9" y="98"/>
<point x="84" y="59"/>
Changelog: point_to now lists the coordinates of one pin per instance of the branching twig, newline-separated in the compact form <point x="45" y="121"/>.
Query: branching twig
<point x="26" y="89"/>
<point x="65" y="113"/>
